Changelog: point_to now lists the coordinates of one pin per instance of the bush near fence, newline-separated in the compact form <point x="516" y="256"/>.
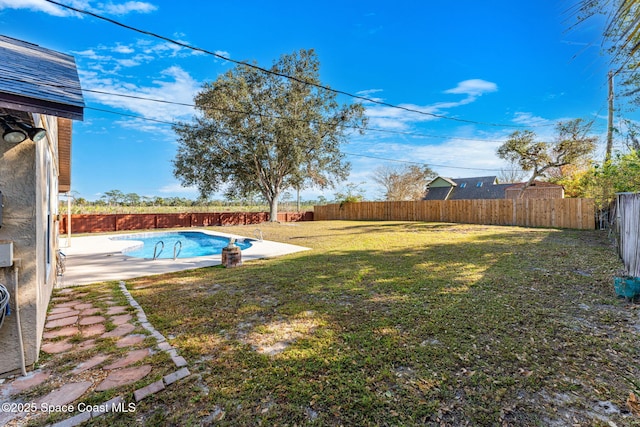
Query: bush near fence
<point x="559" y="213"/>
<point x="97" y="223"/>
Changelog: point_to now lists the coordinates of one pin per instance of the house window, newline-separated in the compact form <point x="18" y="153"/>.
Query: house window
<point x="479" y="184"/>
<point x="464" y="184"/>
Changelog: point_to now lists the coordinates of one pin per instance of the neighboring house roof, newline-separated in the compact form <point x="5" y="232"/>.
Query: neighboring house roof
<point x="441" y="181"/>
<point x="39" y="80"/>
<point x="482" y="187"/>
<point x="486" y="187"/>
<point x="438" y="193"/>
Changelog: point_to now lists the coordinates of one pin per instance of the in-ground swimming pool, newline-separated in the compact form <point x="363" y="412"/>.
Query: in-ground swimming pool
<point x="191" y="244"/>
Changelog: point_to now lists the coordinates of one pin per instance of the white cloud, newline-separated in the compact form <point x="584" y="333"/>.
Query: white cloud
<point x="93" y="55"/>
<point x="177" y="188"/>
<point x="473" y="87"/>
<point x="99" y="8"/>
<point x="128" y="62"/>
<point x="528" y="119"/>
<point x="127" y="7"/>
<point x="450" y="157"/>
<point x="123" y="49"/>
<point x="36" y="6"/>
<point x="384" y="117"/>
<point x="174" y="85"/>
<point x="111" y="58"/>
<point x="368" y="93"/>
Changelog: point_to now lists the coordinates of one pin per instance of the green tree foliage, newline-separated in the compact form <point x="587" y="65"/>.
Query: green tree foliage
<point x="403" y="183"/>
<point x="572" y="144"/>
<point x="261" y="132"/>
<point x="620" y="174"/>
<point x="113" y="197"/>
<point x="572" y="178"/>
<point x="350" y="193"/>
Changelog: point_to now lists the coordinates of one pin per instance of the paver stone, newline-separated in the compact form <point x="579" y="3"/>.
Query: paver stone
<point x="131" y="357"/>
<point x="61" y="322"/>
<point x="91" y="320"/>
<point x="65" y="394"/>
<point x="123" y="377"/>
<point x="64" y="332"/>
<point x="119" y="331"/>
<point x="56" y="347"/>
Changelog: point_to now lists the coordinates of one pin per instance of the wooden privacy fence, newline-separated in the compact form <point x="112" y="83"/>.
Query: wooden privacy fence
<point x="628" y="219"/>
<point x="96" y="223"/>
<point x="560" y="213"/>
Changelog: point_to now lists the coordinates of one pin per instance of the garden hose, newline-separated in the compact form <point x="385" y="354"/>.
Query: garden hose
<point x="4" y="303"/>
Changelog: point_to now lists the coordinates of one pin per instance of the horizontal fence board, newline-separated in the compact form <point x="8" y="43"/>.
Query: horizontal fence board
<point x="558" y="213"/>
<point x="101" y="223"/>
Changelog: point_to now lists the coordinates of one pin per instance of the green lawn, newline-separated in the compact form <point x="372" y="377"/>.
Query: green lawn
<point x="400" y="323"/>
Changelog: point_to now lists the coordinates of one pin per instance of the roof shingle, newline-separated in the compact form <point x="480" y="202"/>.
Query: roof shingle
<point x="39" y="80"/>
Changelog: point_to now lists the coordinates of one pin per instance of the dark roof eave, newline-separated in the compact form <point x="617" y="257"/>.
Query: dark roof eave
<point x="32" y="105"/>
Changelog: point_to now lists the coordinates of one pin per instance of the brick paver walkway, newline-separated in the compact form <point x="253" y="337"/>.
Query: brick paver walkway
<point x="94" y="342"/>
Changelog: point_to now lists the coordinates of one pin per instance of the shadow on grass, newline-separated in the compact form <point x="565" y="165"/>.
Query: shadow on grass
<point x="414" y="324"/>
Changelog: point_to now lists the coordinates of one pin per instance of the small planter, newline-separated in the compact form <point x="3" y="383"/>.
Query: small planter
<point x="231" y="256"/>
<point x="627" y="286"/>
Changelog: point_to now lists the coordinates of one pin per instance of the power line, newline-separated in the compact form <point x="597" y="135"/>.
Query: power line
<point x="348" y="154"/>
<point x="394" y="132"/>
<point x="389" y="131"/>
<point x="426" y="164"/>
<point x="276" y="73"/>
<point x="184" y="104"/>
<point x="135" y="116"/>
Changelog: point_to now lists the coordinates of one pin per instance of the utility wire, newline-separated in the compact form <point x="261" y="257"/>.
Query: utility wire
<point x="348" y="154"/>
<point x="276" y="73"/>
<point x="184" y="104"/>
<point x="428" y="164"/>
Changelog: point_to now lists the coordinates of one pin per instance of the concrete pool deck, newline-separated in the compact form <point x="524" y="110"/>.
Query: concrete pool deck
<point x="92" y="259"/>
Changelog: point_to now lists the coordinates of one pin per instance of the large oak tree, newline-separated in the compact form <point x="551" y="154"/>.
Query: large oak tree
<point x="266" y="131"/>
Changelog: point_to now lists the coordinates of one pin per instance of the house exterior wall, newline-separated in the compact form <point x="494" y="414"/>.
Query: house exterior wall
<point x="439" y="182"/>
<point x="28" y="181"/>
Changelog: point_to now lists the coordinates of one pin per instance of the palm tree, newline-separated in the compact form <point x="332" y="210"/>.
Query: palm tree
<point x="622" y="33"/>
<point x="624" y="28"/>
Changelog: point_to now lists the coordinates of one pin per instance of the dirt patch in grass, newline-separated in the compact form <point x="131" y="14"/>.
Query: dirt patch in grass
<point x="403" y="323"/>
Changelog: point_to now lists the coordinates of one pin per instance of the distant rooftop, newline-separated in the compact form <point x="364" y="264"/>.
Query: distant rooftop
<point x="481" y="187"/>
<point x="39" y="80"/>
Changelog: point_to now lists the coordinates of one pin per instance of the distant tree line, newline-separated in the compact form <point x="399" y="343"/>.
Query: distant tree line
<point x="117" y="201"/>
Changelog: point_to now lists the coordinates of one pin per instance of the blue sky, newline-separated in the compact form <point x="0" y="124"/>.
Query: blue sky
<point x="496" y="65"/>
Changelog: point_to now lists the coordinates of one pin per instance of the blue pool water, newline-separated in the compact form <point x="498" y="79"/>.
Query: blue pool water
<point x="194" y="244"/>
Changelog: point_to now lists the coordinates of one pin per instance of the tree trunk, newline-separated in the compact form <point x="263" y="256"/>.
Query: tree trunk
<point x="273" y="210"/>
<point x="527" y="185"/>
